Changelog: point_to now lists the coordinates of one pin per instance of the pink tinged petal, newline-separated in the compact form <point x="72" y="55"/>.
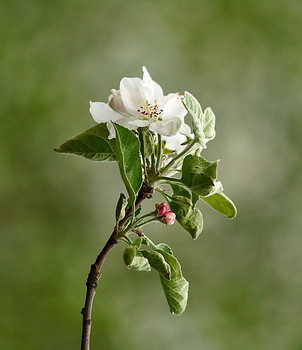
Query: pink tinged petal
<point x="166" y="127"/>
<point x="161" y="209"/>
<point x="172" y="106"/>
<point x="152" y="90"/>
<point x="115" y="101"/>
<point x="132" y="95"/>
<point x="102" y="113"/>
<point x="169" y="218"/>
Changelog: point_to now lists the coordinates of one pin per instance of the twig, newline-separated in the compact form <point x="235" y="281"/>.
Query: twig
<point x="94" y="274"/>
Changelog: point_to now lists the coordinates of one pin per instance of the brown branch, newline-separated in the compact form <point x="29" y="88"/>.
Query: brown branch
<point x="94" y="274"/>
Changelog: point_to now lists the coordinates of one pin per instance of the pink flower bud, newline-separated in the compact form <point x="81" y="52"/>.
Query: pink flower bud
<point x="161" y="209"/>
<point x="168" y="218"/>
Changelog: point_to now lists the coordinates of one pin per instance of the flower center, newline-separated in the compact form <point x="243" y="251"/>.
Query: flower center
<point x="151" y="111"/>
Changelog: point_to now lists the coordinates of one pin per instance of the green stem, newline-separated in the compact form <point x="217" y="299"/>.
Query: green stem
<point x="159" y="153"/>
<point x="148" y="164"/>
<point x="178" y="157"/>
<point x="147" y="222"/>
<point x="169" y="179"/>
<point x="152" y="213"/>
<point x="126" y="239"/>
<point x="141" y="138"/>
<point x="166" y="195"/>
<point x="153" y="166"/>
<point x="151" y="243"/>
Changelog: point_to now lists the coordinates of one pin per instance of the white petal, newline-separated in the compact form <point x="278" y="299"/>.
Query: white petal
<point x="127" y="123"/>
<point x="185" y="130"/>
<point x="166" y="127"/>
<point x="111" y="130"/>
<point x="115" y="101"/>
<point x="173" y="143"/>
<point x="132" y="95"/>
<point x="139" y="123"/>
<point x="151" y="89"/>
<point x="102" y="113"/>
<point x="173" y="106"/>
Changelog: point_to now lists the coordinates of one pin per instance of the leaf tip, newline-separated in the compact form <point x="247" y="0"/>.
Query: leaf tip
<point x="233" y="215"/>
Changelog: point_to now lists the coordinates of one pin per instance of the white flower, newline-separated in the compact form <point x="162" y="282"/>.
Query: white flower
<point x="141" y="103"/>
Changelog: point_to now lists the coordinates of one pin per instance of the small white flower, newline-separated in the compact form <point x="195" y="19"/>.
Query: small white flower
<point x="141" y="103"/>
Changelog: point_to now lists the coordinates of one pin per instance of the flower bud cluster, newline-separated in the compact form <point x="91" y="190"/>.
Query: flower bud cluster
<point x="166" y="216"/>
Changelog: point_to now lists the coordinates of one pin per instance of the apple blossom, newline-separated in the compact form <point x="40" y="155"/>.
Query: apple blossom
<point x="161" y="209"/>
<point x="148" y="128"/>
<point x="141" y="103"/>
<point x="169" y="218"/>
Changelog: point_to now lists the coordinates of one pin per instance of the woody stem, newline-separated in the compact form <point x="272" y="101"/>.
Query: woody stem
<point x="94" y="274"/>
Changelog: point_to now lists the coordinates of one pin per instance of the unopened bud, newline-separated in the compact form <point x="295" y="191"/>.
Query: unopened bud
<point x="161" y="209"/>
<point x="169" y="218"/>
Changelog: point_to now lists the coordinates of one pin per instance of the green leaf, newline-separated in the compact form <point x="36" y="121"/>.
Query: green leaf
<point x="186" y="202"/>
<point x="129" y="254"/>
<point x="194" y="108"/>
<point x="195" y="198"/>
<point x="92" y="144"/>
<point x="179" y="190"/>
<point x="157" y="262"/>
<point x="220" y="202"/>
<point x="140" y="263"/>
<point x="164" y="248"/>
<point x="189" y="218"/>
<point x="139" y="241"/>
<point x="183" y="205"/>
<point x="137" y="211"/>
<point x="148" y="142"/>
<point x="176" y="289"/>
<point x="198" y="174"/>
<point x="200" y="164"/>
<point x="129" y="161"/>
<point x="120" y="207"/>
<point x="192" y="222"/>
<point x="176" y="272"/>
<point x="176" y="292"/>
<point x="134" y="259"/>
<point x="203" y="122"/>
<point x="209" y="124"/>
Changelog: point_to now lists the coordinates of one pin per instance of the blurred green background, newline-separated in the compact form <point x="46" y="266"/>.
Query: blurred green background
<point x="242" y="58"/>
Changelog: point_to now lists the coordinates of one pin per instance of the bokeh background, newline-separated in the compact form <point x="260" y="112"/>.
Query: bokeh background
<point x="242" y="58"/>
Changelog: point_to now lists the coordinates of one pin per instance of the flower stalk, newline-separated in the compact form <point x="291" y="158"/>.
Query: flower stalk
<point x="159" y="153"/>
